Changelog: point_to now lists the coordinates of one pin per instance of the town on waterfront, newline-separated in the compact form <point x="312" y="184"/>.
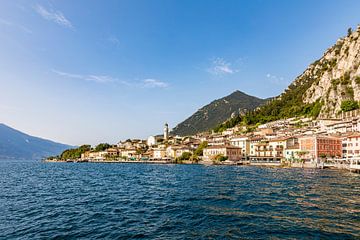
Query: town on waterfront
<point x="292" y="142"/>
<point x="158" y="119"/>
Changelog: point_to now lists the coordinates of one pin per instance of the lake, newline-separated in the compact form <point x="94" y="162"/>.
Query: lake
<point x="145" y="201"/>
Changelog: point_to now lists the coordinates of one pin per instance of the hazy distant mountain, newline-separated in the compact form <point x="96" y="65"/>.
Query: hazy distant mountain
<point x="17" y="145"/>
<point x="217" y="112"/>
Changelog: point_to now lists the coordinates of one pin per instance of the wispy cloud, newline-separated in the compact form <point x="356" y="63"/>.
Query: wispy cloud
<point x="54" y="16"/>
<point x="12" y="24"/>
<point x="154" y="83"/>
<point x="104" y="79"/>
<point x="275" y="79"/>
<point x="90" y="78"/>
<point x="220" y="66"/>
<point x="114" y="40"/>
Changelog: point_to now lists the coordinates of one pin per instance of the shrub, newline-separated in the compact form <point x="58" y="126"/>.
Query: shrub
<point x="357" y="80"/>
<point x="220" y="158"/>
<point x="348" y="105"/>
<point x="200" y="148"/>
<point x="185" y="156"/>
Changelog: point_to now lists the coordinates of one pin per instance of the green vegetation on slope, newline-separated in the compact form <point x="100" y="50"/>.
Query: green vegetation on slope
<point x="217" y="112"/>
<point x="200" y="149"/>
<point x="230" y="123"/>
<point x="75" y="153"/>
<point x="102" y="147"/>
<point x="348" y="105"/>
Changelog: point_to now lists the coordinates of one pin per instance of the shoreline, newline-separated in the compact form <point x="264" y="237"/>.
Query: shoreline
<point x="209" y="163"/>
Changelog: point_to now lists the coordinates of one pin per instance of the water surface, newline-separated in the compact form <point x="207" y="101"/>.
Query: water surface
<point x="116" y="201"/>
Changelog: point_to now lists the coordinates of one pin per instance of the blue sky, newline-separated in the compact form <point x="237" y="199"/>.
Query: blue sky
<point x="101" y="71"/>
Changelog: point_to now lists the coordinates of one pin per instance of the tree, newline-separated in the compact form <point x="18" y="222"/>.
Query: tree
<point x="349" y="31"/>
<point x="75" y="153"/>
<point x="302" y="154"/>
<point x="230" y="123"/>
<point x="102" y="147"/>
<point x="220" y="158"/>
<point x="200" y="148"/>
<point x="185" y="156"/>
<point x="348" y="105"/>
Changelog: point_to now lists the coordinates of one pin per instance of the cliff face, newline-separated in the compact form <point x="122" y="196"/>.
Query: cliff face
<point x="335" y="77"/>
<point x="318" y="92"/>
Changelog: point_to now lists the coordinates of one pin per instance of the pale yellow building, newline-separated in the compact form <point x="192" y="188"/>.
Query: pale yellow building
<point x="233" y="153"/>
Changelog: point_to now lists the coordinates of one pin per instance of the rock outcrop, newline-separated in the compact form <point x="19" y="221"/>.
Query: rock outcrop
<point x="336" y="76"/>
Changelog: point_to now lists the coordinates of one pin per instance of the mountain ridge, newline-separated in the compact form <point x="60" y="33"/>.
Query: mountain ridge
<point x="216" y="112"/>
<point x="15" y="144"/>
<point x="322" y="88"/>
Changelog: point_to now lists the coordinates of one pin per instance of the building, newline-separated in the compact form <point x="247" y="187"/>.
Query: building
<point x="217" y="139"/>
<point x="166" y="132"/>
<point x="262" y="150"/>
<point x="112" y="152"/>
<point x="292" y="153"/>
<point x="277" y="147"/>
<point x="253" y="145"/>
<point x="153" y="140"/>
<point x="159" y="153"/>
<point x="233" y="153"/>
<point x="292" y="149"/>
<point x="273" y="149"/>
<point x="317" y="147"/>
<point x="242" y="142"/>
<point x="264" y="131"/>
<point x="128" y="153"/>
<point x="351" y="146"/>
<point x="176" y="151"/>
<point x="97" y="155"/>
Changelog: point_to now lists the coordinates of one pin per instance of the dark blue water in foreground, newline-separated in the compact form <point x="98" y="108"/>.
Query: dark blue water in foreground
<point x="117" y="201"/>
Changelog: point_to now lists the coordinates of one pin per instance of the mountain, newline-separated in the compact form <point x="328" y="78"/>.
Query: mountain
<point x="17" y="145"/>
<point x="337" y="76"/>
<point x="217" y="112"/>
<point x="326" y="88"/>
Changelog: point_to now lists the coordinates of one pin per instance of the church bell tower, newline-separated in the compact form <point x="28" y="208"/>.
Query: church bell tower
<point x="166" y="132"/>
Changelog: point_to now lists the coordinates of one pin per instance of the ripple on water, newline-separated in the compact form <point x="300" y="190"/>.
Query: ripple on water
<point x="82" y="201"/>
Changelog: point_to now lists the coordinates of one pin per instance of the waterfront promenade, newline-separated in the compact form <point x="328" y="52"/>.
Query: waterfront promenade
<point x="352" y="165"/>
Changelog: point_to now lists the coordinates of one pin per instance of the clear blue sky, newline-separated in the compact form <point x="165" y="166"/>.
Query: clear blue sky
<point x="100" y="71"/>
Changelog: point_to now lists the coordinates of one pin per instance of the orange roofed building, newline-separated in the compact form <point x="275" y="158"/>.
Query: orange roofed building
<point x="315" y="147"/>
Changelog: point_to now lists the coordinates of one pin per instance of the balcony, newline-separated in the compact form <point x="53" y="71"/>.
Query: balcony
<point x="263" y="150"/>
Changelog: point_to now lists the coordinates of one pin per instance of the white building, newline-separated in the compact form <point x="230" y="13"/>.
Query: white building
<point x="98" y="155"/>
<point x="152" y="140"/>
<point x="159" y="153"/>
<point x="351" y="146"/>
<point x="242" y="142"/>
<point x="128" y="153"/>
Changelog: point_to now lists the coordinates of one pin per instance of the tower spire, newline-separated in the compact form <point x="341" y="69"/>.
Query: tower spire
<point x="166" y="132"/>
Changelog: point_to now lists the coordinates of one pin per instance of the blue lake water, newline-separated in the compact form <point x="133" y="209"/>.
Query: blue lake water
<point x="138" y="201"/>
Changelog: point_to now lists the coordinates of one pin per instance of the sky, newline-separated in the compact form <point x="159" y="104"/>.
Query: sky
<point x="91" y="71"/>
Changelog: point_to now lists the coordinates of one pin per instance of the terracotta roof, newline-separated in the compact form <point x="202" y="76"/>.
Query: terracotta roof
<point x="354" y="136"/>
<point x="222" y="146"/>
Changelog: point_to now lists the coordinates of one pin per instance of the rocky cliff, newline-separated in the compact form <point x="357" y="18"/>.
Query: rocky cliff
<point x="336" y="76"/>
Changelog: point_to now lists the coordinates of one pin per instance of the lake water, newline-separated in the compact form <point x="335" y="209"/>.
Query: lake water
<point x="117" y="201"/>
